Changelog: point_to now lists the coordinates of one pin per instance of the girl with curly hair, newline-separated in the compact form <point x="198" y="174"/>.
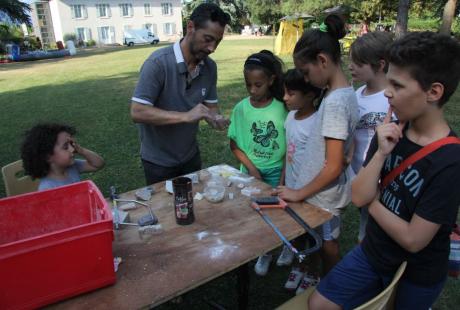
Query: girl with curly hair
<point x="48" y="152"/>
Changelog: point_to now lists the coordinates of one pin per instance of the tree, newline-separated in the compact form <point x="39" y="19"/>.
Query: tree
<point x="402" y="18"/>
<point x="264" y="12"/>
<point x="237" y="10"/>
<point x="17" y="11"/>
<point x="448" y="16"/>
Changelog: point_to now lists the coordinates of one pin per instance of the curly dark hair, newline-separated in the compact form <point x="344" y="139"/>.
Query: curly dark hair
<point x="38" y="146"/>
<point x="209" y="12"/>
<point x="429" y="58"/>
<point x="316" y="41"/>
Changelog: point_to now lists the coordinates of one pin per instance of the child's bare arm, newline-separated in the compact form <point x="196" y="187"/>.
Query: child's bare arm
<point x="332" y="169"/>
<point x="93" y="162"/>
<point x="241" y="156"/>
<point x="365" y="186"/>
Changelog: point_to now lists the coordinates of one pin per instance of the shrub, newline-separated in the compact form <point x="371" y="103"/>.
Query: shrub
<point x="91" y="43"/>
<point x="70" y="37"/>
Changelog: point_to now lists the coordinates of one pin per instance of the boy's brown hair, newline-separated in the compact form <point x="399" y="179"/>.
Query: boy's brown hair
<point x="369" y="49"/>
<point x="429" y="58"/>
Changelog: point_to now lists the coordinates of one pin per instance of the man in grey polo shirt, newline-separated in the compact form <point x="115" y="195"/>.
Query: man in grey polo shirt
<point x="177" y="89"/>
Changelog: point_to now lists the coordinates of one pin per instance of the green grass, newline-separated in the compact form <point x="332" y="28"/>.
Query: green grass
<point x="92" y="91"/>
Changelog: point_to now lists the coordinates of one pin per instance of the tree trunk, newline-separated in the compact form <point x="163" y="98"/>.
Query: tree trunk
<point x="448" y="16"/>
<point x="402" y="18"/>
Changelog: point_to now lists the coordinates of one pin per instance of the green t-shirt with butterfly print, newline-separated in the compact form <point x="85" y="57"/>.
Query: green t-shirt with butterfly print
<point x="260" y="133"/>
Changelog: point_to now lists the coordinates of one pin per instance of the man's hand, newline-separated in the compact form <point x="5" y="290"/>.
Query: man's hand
<point x="199" y="112"/>
<point x="288" y="194"/>
<point x="221" y="122"/>
<point x="218" y="121"/>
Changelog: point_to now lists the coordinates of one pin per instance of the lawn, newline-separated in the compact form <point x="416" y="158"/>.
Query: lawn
<point x="92" y="91"/>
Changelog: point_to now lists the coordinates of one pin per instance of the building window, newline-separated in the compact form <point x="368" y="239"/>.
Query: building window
<point x="169" y="28"/>
<point x="78" y="11"/>
<point x="126" y="9"/>
<point x="147" y="10"/>
<point x="81" y="34"/>
<point x="106" y="35"/>
<point x="103" y="10"/>
<point x="166" y="9"/>
<point x="151" y="28"/>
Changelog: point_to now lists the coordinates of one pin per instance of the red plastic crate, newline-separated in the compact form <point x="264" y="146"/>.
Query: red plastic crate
<point x="54" y="244"/>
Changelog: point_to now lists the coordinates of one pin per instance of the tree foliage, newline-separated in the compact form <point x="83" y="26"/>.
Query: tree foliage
<point x="17" y="11"/>
<point x="237" y="10"/>
<point x="264" y="12"/>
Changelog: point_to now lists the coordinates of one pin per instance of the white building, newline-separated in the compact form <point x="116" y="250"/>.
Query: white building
<point x="105" y="20"/>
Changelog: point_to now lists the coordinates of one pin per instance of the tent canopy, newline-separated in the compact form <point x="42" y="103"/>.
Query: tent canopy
<point x="291" y="29"/>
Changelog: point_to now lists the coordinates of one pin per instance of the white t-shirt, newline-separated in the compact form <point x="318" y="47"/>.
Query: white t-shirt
<point x="372" y="110"/>
<point x="336" y="118"/>
<point x="297" y="135"/>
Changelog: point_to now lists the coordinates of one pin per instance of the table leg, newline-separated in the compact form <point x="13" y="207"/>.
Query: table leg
<point x="243" y="286"/>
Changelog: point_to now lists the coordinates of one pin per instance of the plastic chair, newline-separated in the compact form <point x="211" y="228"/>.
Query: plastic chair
<point x="384" y="300"/>
<point x="14" y="184"/>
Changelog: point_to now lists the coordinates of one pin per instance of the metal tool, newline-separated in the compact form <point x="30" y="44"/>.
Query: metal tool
<point x="301" y="255"/>
<point x="149" y="219"/>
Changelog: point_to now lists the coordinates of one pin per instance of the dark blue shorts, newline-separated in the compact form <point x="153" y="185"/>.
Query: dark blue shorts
<point x="353" y="281"/>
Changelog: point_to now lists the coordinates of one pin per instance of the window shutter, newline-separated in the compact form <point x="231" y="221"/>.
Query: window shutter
<point x="121" y="9"/>
<point x="154" y="29"/>
<point x="85" y="11"/>
<point x="109" y="11"/>
<point x="98" y="10"/>
<point x="72" y="11"/>
<point x="173" y="28"/>
<point x="131" y="11"/>
<point x="170" y="9"/>
<point x="164" y="29"/>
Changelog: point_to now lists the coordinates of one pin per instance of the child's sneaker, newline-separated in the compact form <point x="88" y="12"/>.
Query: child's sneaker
<point x="307" y="281"/>
<point x="294" y="279"/>
<point x="286" y="257"/>
<point x="261" y="267"/>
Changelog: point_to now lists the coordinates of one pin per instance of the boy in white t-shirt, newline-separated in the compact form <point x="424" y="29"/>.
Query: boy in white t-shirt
<point x="368" y="65"/>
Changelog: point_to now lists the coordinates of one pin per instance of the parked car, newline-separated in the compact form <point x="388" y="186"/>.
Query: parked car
<point x="139" y="36"/>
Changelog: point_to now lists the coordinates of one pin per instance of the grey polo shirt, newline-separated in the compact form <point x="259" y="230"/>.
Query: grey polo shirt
<point x="166" y="84"/>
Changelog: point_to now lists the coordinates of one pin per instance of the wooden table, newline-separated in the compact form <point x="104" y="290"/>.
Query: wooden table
<point x="223" y="237"/>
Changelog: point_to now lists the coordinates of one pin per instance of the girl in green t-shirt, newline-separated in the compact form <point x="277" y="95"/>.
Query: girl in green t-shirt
<point x="256" y="132"/>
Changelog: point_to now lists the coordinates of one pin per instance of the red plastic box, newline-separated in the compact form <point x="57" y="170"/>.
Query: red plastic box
<point x="54" y="244"/>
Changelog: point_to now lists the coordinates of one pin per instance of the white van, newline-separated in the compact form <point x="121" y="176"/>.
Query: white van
<point x="139" y="36"/>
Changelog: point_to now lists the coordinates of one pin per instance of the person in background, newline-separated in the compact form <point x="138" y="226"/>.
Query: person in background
<point x="368" y="66"/>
